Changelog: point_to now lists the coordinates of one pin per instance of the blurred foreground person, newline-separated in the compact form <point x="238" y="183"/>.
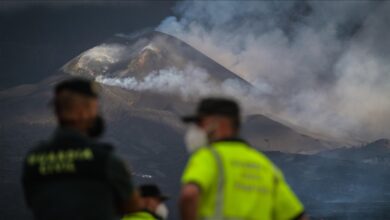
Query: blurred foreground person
<point x="151" y="205"/>
<point x="71" y="175"/>
<point x="225" y="178"/>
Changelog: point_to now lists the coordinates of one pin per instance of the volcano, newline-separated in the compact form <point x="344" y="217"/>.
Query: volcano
<point x="133" y="72"/>
<point x="146" y="80"/>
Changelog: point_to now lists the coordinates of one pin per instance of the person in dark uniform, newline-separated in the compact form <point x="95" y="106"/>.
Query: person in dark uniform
<point x="151" y="204"/>
<point x="72" y="175"/>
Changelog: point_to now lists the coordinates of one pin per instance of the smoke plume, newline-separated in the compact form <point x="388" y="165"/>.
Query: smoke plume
<point x="324" y="64"/>
<point x="191" y="83"/>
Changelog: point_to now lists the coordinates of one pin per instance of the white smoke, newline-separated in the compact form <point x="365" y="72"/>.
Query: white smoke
<point x="170" y="81"/>
<point x="190" y="83"/>
<point x="324" y="63"/>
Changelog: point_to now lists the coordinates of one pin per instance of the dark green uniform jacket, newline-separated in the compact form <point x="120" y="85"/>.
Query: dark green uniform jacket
<point x="74" y="177"/>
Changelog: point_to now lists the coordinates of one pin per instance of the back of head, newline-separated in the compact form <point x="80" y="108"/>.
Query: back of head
<point x="67" y="92"/>
<point x="78" y="85"/>
<point x="220" y="107"/>
<point x="76" y="103"/>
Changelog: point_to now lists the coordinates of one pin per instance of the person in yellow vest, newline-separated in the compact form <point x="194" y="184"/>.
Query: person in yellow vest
<point x="151" y="204"/>
<point x="225" y="178"/>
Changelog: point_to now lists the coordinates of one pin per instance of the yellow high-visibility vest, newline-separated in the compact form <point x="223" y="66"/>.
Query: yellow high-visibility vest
<point x="142" y="215"/>
<point x="238" y="182"/>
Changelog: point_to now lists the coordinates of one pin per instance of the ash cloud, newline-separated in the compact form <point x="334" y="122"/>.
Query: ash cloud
<point x="325" y="63"/>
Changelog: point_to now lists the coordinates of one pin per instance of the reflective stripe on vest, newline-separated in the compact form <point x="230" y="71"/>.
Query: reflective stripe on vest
<point x="218" y="213"/>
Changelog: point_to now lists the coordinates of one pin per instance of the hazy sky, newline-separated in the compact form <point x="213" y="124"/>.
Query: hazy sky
<point x="38" y="38"/>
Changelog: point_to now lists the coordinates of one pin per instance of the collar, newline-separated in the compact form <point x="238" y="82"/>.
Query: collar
<point x="67" y="133"/>
<point x="152" y="214"/>
<point x="231" y="139"/>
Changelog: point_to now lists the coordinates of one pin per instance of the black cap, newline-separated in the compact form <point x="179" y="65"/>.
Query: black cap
<point x="151" y="190"/>
<point x="214" y="106"/>
<point x="78" y="85"/>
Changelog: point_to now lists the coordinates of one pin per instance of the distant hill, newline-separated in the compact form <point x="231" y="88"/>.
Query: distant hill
<point x="348" y="183"/>
<point x="377" y="152"/>
<point x="269" y="135"/>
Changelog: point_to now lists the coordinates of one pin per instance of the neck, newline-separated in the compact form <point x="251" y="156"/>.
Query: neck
<point x="222" y="136"/>
<point x="74" y="127"/>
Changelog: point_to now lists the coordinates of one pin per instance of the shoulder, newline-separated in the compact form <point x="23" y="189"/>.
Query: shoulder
<point x="265" y="161"/>
<point x="203" y="153"/>
<point x="112" y="162"/>
<point x="115" y="164"/>
<point x="40" y="147"/>
<point x="271" y="166"/>
<point x="201" y="160"/>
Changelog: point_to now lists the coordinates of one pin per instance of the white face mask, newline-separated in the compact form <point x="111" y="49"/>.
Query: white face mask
<point x="162" y="211"/>
<point x="195" y="138"/>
